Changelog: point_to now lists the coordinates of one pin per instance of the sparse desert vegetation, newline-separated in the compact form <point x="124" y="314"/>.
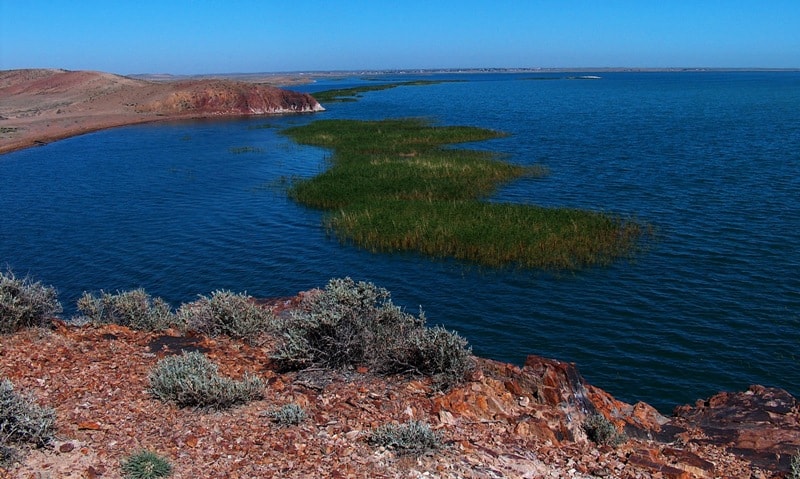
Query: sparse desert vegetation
<point x="353" y="323"/>
<point x="135" y="309"/>
<point x="146" y="465"/>
<point x="23" y="422"/>
<point x="192" y="380"/>
<point x="25" y="303"/>
<point x="373" y="392"/>
<point x="412" y="437"/>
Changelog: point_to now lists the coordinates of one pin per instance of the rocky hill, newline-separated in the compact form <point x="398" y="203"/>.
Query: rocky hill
<point x="39" y="106"/>
<point x="506" y="421"/>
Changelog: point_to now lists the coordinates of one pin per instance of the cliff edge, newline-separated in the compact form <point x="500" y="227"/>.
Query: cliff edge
<point x="505" y="421"/>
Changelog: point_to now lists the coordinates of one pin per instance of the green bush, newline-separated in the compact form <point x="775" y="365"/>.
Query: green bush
<point x="22" y="421"/>
<point x="135" y="309"/>
<point x="350" y="324"/>
<point x="146" y="465"/>
<point x="191" y="380"/>
<point x="412" y="437"/>
<point x="602" y="431"/>
<point x="289" y="415"/>
<point x="25" y="304"/>
<point x="226" y="313"/>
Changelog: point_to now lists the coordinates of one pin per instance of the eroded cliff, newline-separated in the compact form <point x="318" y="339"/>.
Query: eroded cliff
<point x="504" y="421"/>
<point x="39" y="106"/>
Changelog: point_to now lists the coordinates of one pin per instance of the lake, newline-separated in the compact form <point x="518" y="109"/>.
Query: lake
<point x="710" y="159"/>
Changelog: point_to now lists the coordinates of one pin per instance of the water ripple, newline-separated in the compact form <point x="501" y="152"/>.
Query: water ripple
<point x="711" y="161"/>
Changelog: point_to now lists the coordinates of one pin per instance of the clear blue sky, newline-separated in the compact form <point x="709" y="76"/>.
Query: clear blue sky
<point x="226" y="36"/>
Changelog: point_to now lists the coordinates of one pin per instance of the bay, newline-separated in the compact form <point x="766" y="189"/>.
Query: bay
<point x="710" y="159"/>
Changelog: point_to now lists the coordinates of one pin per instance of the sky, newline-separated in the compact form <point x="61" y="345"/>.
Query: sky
<point x="240" y="36"/>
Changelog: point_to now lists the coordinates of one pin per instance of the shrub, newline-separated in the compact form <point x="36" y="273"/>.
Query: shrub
<point x="353" y="323"/>
<point x="412" y="437"/>
<point x="22" y="420"/>
<point x="25" y="304"/>
<point x="602" y="431"/>
<point x="226" y="313"/>
<point x="794" y="472"/>
<point x="289" y="415"/>
<point x="146" y="465"/>
<point x="442" y="354"/>
<point x="8" y="456"/>
<point x="191" y="380"/>
<point x="135" y="309"/>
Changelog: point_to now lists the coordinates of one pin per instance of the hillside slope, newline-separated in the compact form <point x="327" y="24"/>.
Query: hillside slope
<point x="43" y="105"/>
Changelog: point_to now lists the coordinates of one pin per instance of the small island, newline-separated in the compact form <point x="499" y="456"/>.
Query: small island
<point x="393" y="186"/>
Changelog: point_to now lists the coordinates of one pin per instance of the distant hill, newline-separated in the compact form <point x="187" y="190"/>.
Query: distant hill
<point x="41" y="105"/>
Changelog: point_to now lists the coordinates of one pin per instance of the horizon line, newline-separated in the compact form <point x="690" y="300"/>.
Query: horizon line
<point x="482" y="70"/>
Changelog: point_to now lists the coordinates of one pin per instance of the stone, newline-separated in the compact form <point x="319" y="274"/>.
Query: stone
<point x="648" y="459"/>
<point x="761" y="425"/>
<point x="88" y="426"/>
<point x="689" y="462"/>
<point x="66" y="447"/>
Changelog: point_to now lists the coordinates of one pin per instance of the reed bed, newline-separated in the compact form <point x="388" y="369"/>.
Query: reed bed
<point x="352" y="94"/>
<point x="493" y="234"/>
<point x="392" y="186"/>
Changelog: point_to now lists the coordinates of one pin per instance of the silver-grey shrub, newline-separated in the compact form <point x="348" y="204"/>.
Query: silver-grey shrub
<point x="441" y="354"/>
<point x="794" y="466"/>
<point x="22" y="419"/>
<point x="412" y="437"/>
<point x="226" y="313"/>
<point x="355" y="323"/>
<point x="135" y="309"/>
<point x="25" y="303"/>
<point x="290" y="414"/>
<point x="192" y="380"/>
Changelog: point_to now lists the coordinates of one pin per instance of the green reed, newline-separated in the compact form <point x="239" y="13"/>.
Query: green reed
<point x="238" y="150"/>
<point x="392" y="186"/>
<point x="352" y="94"/>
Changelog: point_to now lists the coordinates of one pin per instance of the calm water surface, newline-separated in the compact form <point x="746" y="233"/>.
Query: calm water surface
<point x="712" y="160"/>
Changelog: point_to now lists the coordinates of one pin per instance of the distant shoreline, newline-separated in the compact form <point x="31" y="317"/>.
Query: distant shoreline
<point x="33" y="118"/>
<point x="304" y="77"/>
<point x="40" y="106"/>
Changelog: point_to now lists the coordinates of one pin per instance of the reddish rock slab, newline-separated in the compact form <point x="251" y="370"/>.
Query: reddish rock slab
<point x="761" y="425"/>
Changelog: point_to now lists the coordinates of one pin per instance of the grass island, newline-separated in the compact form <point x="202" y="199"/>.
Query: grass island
<point x="393" y="186"/>
<point x="354" y="93"/>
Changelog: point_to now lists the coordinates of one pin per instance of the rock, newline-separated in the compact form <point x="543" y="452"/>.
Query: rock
<point x="761" y="425"/>
<point x="191" y="440"/>
<point x="506" y="421"/>
<point x="88" y="426"/>
<point x="93" y="472"/>
<point x="66" y="447"/>
<point x="230" y="97"/>
<point x="649" y="459"/>
<point x="560" y="383"/>
<point x="689" y="462"/>
<point x="562" y="386"/>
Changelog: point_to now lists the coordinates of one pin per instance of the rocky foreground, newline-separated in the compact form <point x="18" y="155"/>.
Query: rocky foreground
<point x="506" y="421"/>
<point x="38" y="106"/>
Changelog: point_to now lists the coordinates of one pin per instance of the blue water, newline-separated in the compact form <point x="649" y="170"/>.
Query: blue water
<point x="712" y="160"/>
